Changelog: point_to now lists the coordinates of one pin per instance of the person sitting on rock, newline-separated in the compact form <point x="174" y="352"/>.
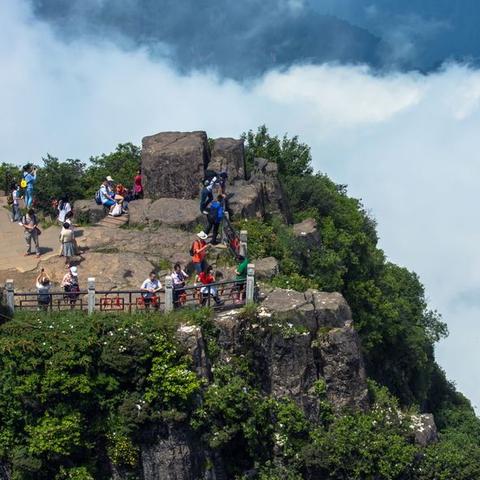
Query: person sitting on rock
<point x="215" y="217"/>
<point x="198" y="251"/>
<point x="206" y="196"/>
<point x="179" y="278"/>
<point x="106" y="195"/>
<point x="207" y="278"/>
<point x="150" y="287"/>
<point x="43" y="285"/>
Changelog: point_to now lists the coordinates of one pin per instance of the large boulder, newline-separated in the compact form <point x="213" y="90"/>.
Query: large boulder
<point x="302" y="343"/>
<point x="266" y="268"/>
<point x="245" y="200"/>
<point x="173" y="164"/>
<point x="424" y="429"/>
<point x="87" y="211"/>
<point x="307" y="233"/>
<point x="228" y="155"/>
<point x="169" y="212"/>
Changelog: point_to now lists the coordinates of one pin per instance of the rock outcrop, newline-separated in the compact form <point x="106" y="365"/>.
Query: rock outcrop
<point x="262" y="195"/>
<point x="228" y="155"/>
<point x="299" y="340"/>
<point x="424" y="429"/>
<point x="166" y="212"/>
<point x="87" y="211"/>
<point x="307" y="233"/>
<point x="173" y="164"/>
<point x="266" y="268"/>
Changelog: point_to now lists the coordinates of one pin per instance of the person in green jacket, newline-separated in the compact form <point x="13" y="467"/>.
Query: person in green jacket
<point x="241" y="276"/>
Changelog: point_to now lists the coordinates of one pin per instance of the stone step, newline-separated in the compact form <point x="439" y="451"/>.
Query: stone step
<point x="113" y="222"/>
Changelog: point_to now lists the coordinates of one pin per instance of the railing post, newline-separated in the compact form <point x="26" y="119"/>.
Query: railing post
<point x="250" y="283"/>
<point x="223" y="234"/>
<point x="168" y="294"/>
<point x="91" y="295"/>
<point x="243" y="243"/>
<point x="10" y="291"/>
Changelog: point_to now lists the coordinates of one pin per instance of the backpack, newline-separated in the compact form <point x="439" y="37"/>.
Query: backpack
<point x="213" y="213"/>
<point x="98" y="198"/>
<point x="192" y="250"/>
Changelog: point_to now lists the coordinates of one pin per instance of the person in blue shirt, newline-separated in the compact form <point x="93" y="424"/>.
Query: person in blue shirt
<point x="30" y="177"/>
<point x="215" y="217"/>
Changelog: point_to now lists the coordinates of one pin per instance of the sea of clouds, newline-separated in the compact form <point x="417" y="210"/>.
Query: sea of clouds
<point x="407" y="144"/>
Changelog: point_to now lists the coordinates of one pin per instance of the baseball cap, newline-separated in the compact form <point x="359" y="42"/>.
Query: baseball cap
<point x="109" y="179"/>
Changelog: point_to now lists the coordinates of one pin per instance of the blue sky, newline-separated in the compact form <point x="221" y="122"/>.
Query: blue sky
<point x="387" y="94"/>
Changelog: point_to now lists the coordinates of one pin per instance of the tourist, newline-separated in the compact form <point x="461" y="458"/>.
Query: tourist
<point x="63" y="207"/>
<point x="150" y="287"/>
<point x="106" y="194"/>
<point x="31" y="231"/>
<point x="13" y="201"/>
<point x="207" y="279"/>
<point x="69" y="220"/>
<point x="67" y="239"/>
<point x="179" y="278"/>
<point x="206" y="196"/>
<point x="43" y="285"/>
<point x="222" y="181"/>
<point x="198" y="252"/>
<point x="241" y="277"/>
<point x="71" y="286"/>
<point x="29" y="178"/>
<point x="137" y="186"/>
<point x="215" y="217"/>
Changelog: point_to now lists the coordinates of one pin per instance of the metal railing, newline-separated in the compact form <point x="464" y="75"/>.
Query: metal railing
<point x="224" y="294"/>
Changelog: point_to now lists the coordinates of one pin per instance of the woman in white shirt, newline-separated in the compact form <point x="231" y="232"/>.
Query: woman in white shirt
<point x="63" y="208"/>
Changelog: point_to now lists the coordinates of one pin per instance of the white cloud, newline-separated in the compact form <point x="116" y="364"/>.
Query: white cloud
<point x="408" y="144"/>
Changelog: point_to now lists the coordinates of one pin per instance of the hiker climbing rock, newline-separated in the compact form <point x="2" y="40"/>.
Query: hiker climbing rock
<point x="215" y="217"/>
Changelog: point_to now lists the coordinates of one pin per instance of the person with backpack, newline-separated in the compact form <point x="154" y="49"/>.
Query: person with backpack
<point x="12" y="201"/>
<point x="215" y="217"/>
<point x="31" y="231"/>
<point x="198" y="252"/>
<point x="43" y="285"/>
<point x="29" y="179"/>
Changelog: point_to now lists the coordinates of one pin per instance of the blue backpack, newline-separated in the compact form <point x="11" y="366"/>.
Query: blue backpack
<point x="98" y="198"/>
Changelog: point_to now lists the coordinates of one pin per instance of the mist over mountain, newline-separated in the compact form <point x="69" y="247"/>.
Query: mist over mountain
<point x="243" y="40"/>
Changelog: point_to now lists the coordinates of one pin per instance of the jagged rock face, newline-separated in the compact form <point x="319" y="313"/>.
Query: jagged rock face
<point x="266" y="268"/>
<point x="88" y="211"/>
<point x="228" y="155"/>
<point x="298" y="340"/>
<point x="261" y="195"/>
<point x="174" y="455"/>
<point x="173" y="164"/>
<point x="307" y="233"/>
<point x="170" y="212"/>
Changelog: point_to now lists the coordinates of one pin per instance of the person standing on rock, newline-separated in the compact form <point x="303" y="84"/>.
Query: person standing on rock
<point x="29" y="177"/>
<point x="67" y="239"/>
<point x="137" y="186"/>
<point x="31" y="231"/>
<point x="64" y="207"/>
<point x="215" y="217"/>
<point x="14" y="197"/>
<point x="198" y="251"/>
<point x="206" y="196"/>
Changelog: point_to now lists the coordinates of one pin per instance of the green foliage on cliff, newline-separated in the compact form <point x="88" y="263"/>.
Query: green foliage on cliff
<point x="77" y="393"/>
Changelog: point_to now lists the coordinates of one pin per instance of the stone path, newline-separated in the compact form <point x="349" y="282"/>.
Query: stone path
<point x="13" y="246"/>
